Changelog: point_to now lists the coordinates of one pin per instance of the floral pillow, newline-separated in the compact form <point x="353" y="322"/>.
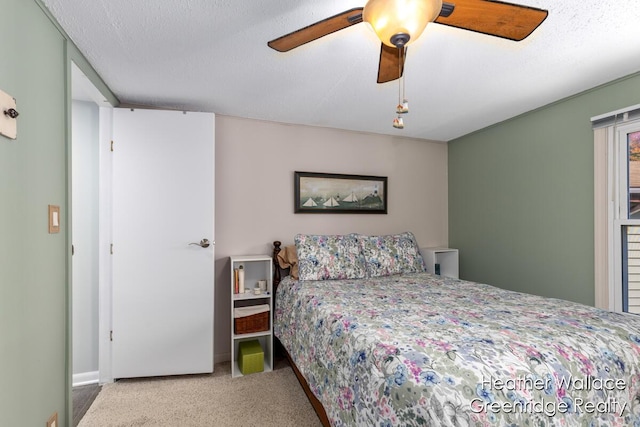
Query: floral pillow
<point x="391" y="254"/>
<point x="328" y="257"/>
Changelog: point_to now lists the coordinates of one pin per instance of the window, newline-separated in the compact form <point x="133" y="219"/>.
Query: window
<point x="629" y="137"/>
<point x="616" y="138"/>
<point x="624" y="221"/>
<point x="633" y="182"/>
<point x="631" y="269"/>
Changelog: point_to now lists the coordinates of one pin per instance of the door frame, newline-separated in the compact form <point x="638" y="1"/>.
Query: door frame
<point x="80" y="73"/>
<point x="105" y="238"/>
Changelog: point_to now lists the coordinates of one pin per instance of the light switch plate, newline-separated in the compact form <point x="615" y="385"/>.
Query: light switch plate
<point x="54" y="219"/>
<point x="8" y="126"/>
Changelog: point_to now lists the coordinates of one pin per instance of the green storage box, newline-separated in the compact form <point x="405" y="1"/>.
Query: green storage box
<point x="250" y="357"/>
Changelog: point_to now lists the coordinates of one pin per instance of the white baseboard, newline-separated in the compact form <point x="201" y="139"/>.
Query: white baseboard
<point x="85" y="378"/>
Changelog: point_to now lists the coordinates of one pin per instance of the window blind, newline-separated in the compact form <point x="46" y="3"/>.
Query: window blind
<point x="616" y="117"/>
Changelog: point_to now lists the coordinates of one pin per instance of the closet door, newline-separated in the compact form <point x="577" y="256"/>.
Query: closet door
<point x="163" y="277"/>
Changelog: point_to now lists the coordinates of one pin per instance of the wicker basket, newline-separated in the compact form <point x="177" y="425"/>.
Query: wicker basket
<point x="249" y="324"/>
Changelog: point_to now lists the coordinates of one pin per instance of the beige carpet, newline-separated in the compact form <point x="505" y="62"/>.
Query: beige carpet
<point x="265" y="399"/>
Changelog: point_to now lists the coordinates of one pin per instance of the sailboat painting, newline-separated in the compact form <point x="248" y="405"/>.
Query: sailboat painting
<point x="309" y="203"/>
<point x="339" y="193"/>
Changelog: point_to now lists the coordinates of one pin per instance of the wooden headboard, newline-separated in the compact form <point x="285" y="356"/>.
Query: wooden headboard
<point x="277" y="273"/>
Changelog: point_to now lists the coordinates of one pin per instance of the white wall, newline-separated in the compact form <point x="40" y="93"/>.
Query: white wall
<point x="85" y="239"/>
<point x="255" y="164"/>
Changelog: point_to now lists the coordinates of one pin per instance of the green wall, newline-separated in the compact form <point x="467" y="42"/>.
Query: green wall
<point x="33" y="263"/>
<point x="521" y="196"/>
<point x="35" y="336"/>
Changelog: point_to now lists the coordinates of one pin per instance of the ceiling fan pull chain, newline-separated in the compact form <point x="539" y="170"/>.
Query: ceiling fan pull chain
<point x="399" y="78"/>
<point x="403" y="104"/>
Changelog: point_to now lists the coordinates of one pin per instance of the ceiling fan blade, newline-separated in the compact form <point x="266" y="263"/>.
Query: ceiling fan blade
<point x="317" y="30"/>
<point x="495" y="18"/>
<point x="391" y="65"/>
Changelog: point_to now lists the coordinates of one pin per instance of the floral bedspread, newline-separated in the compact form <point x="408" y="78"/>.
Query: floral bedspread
<point x="419" y="349"/>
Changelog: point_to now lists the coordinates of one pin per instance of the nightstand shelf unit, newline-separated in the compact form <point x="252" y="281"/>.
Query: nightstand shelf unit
<point x="256" y="268"/>
<point x="444" y="259"/>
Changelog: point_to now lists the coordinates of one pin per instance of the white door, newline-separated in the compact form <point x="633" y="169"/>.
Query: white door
<point x="163" y="194"/>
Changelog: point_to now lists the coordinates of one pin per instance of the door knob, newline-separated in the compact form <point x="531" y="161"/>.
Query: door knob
<point x="204" y="243"/>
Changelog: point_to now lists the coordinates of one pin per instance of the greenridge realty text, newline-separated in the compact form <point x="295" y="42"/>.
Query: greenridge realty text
<point x="551" y="408"/>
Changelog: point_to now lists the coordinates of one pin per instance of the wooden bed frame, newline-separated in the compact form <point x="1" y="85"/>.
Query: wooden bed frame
<point x="317" y="405"/>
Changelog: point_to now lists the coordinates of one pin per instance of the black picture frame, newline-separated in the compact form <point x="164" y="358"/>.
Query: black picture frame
<point x="316" y="192"/>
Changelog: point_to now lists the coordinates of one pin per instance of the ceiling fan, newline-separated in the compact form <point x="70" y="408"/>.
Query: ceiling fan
<point x="400" y="22"/>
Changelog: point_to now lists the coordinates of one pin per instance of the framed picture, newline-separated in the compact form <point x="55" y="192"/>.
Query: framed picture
<point x="338" y="193"/>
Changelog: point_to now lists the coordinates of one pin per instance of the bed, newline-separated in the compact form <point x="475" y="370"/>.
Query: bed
<point x="375" y="340"/>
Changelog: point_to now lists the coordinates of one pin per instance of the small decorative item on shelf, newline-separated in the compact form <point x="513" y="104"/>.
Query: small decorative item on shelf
<point x="250" y="357"/>
<point x="437" y="269"/>
<point x="241" y="279"/>
<point x="262" y="284"/>
<point x="257" y="290"/>
<point x="236" y="282"/>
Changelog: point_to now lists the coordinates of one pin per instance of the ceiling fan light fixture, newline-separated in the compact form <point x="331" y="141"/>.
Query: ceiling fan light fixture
<point x="390" y="18"/>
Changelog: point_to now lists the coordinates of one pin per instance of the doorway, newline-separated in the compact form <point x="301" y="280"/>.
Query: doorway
<point x="90" y="228"/>
<point x="172" y="295"/>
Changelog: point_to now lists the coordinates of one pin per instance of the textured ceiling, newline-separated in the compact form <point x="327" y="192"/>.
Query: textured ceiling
<point x="208" y="55"/>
